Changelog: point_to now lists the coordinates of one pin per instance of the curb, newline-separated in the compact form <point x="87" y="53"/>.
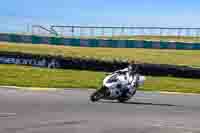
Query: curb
<point x="30" y="88"/>
<point x="42" y="89"/>
<point x="177" y="93"/>
<point x="86" y="89"/>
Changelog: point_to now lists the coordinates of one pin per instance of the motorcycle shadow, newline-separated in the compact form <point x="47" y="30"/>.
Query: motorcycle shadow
<point x="140" y="103"/>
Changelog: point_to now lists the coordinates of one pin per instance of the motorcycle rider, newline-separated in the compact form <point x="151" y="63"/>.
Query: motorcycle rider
<point x="120" y="85"/>
<point x="130" y="75"/>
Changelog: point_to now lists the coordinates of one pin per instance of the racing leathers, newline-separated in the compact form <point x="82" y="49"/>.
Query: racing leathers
<point x="127" y="82"/>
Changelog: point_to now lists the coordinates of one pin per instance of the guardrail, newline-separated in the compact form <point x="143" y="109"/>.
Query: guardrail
<point x="38" y="29"/>
<point x="94" y="31"/>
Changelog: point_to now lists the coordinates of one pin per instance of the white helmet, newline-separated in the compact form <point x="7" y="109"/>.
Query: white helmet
<point x="130" y="68"/>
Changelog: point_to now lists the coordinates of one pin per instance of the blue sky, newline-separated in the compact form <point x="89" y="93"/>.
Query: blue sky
<point x="173" y="13"/>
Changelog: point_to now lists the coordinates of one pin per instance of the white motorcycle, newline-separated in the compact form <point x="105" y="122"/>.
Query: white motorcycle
<point x="114" y="85"/>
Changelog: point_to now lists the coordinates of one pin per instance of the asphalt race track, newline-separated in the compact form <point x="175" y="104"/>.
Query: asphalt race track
<point x="70" y="111"/>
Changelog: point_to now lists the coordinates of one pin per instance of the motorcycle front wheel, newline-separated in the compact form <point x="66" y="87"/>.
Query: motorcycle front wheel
<point x="96" y="96"/>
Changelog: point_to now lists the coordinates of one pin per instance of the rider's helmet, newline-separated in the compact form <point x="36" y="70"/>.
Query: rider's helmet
<point x="133" y="67"/>
<point x="130" y="68"/>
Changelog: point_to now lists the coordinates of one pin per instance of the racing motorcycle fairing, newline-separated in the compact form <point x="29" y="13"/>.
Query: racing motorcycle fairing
<point x="114" y="83"/>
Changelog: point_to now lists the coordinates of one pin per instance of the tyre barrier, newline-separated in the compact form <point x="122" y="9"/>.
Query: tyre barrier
<point x="84" y="63"/>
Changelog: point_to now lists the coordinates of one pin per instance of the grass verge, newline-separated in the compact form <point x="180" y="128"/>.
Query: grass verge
<point x="57" y="78"/>
<point x="156" y="56"/>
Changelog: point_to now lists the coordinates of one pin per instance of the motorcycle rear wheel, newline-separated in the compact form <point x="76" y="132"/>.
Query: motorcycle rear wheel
<point x="123" y="100"/>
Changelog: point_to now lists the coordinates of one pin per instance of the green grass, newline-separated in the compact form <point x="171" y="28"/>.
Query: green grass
<point x="41" y="77"/>
<point x="157" y="56"/>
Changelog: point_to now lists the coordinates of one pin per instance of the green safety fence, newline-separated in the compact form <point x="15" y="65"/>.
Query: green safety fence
<point x="147" y="44"/>
<point x="121" y="43"/>
<point x="196" y="46"/>
<point x="36" y="39"/>
<point x="93" y="43"/>
<point x="164" y="45"/>
<point x="139" y="44"/>
<point x="97" y="42"/>
<point x="181" y="45"/>
<point x="56" y="41"/>
<point x="129" y="44"/>
<point x="15" y="38"/>
<point x="113" y="43"/>
<point x="110" y="43"/>
<point x="75" y="42"/>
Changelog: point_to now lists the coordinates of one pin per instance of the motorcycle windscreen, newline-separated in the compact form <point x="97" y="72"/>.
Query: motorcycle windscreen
<point x="112" y="79"/>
